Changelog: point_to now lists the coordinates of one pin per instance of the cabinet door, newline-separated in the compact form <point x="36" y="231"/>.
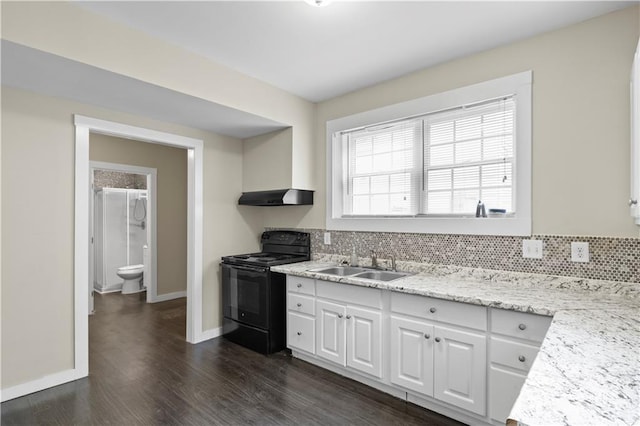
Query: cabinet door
<point x="412" y="354"/>
<point x="301" y="332"/>
<point x="460" y="359"/>
<point x="330" y="332"/>
<point x="504" y="389"/>
<point x="364" y="340"/>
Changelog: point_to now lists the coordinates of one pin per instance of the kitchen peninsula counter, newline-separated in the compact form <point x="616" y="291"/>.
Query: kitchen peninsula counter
<point x="588" y="367"/>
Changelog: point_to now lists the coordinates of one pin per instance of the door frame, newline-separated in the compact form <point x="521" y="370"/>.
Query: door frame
<point x="151" y="174"/>
<point x="195" y="152"/>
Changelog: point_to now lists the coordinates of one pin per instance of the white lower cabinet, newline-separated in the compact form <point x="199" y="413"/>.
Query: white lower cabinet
<point x="301" y="321"/>
<point x="440" y="354"/>
<point x="412" y="354"/>
<point x="301" y="332"/>
<point x="330" y="331"/>
<point x="505" y="387"/>
<point x="349" y="336"/>
<point x="440" y="362"/>
<point x="460" y="364"/>
<point x="364" y="340"/>
<point x="515" y="341"/>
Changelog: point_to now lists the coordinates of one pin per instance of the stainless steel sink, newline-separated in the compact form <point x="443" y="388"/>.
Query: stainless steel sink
<point x="381" y="275"/>
<point x="341" y="270"/>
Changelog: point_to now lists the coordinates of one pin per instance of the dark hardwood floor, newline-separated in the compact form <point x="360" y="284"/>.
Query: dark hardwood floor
<point x="143" y="372"/>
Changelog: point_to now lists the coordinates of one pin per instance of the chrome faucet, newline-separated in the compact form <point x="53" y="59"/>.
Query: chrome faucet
<point x="374" y="259"/>
<point x="393" y="263"/>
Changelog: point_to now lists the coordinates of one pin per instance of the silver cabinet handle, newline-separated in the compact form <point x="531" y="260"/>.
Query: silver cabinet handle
<point x="339" y="315"/>
<point x="522" y="326"/>
<point x="437" y="339"/>
<point x="299" y="285"/>
<point x="427" y="336"/>
<point x="432" y="310"/>
<point x="299" y="333"/>
<point x="521" y="358"/>
<point x="299" y="304"/>
<point x="348" y="316"/>
<point x="632" y="202"/>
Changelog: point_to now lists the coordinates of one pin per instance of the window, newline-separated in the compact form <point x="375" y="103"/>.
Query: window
<point x="423" y="165"/>
<point x="468" y="157"/>
<point x="381" y="175"/>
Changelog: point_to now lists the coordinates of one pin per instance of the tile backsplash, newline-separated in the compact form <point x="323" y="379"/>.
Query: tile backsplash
<point x="616" y="259"/>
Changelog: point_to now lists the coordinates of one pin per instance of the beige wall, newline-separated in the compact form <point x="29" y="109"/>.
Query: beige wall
<point x="267" y="161"/>
<point x="37" y="226"/>
<point x="580" y="122"/>
<point x="171" y="165"/>
<point x="67" y="30"/>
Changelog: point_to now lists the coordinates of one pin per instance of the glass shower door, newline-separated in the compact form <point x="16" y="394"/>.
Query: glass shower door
<point x="115" y="235"/>
<point x="137" y="229"/>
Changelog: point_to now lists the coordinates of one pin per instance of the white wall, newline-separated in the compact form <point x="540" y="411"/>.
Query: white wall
<point x="580" y="122"/>
<point x="37" y="224"/>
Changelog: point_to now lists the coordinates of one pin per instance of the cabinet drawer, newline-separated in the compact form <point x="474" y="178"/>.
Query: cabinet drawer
<point x="519" y="324"/>
<point x="352" y="294"/>
<point x="504" y="388"/>
<point x="462" y="314"/>
<point x="301" y="285"/>
<point x="513" y="354"/>
<point x="300" y="303"/>
<point x="301" y="332"/>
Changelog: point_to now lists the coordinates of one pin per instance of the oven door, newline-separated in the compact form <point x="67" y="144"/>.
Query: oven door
<point x="245" y="293"/>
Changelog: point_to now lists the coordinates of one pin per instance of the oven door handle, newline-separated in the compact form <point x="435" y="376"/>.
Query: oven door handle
<point x="247" y="268"/>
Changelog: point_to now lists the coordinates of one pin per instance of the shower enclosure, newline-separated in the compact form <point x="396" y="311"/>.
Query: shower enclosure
<point x="120" y="232"/>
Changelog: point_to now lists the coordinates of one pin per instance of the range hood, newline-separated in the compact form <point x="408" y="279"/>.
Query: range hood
<point x="277" y="197"/>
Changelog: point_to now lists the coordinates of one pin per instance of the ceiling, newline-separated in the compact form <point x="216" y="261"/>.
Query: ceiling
<point x="41" y="72"/>
<point x="315" y="53"/>
<point x="321" y="53"/>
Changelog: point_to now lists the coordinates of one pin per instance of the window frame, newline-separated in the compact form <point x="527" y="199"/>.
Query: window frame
<point x="518" y="224"/>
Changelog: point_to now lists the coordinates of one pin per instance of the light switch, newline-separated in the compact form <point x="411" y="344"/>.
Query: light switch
<point x="532" y="249"/>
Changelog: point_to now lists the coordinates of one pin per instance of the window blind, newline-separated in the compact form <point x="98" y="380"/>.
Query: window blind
<point x="382" y="168"/>
<point x="469" y="157"/>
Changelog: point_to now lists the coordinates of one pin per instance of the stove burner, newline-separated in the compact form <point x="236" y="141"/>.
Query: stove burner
<point x="265" y="259"/>
<point x="279" y="247"/>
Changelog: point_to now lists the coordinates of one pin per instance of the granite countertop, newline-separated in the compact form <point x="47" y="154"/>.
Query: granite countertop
<point x="588" y="367"/>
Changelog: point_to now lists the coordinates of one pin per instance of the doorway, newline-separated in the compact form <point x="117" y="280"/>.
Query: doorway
<point x="195" y="152"/>
<point x="137" y="186"/>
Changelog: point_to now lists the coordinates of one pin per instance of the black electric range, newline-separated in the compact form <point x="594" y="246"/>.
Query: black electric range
<point x="254" y="297"/>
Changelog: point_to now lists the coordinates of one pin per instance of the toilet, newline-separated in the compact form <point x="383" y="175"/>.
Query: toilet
<point x="131" y="276"/>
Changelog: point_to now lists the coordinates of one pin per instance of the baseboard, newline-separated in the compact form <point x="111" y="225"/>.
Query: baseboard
<point x="169" y="296"/>
<point x="208" y="335"/>
<point x="106" y="290"/>
<point x="40" y="384"/>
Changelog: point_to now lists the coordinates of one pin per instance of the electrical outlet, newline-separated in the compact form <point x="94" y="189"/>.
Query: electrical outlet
<point x="579" y="252"/>
<point x="532" y="249"/>
<point x="327" y="238"/>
